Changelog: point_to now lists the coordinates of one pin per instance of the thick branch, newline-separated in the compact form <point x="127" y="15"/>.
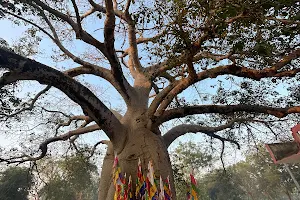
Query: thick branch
<point x="232" y="70"/>
<point x="97" y="71"/>
<point x="225" y="109"/>
<point x="159" y="98"/>
<point x="66" y="136"/>
<point x="191" y="69"/>
<point x="180" y="130"/>
<point x="133" y="49"/>
<point x="109" y="40"/>
<point x="100" y="72"/>
<point x="102" y="9"/>
<point x="88" y="13"/>
<point x="26" y="69"/>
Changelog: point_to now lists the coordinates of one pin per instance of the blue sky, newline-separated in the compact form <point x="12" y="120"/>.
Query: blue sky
<point x="10" y="31"/>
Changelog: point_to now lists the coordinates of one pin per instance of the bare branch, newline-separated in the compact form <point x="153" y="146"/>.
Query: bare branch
<point x="181" y="130"/>
<point x="284" y="21"/>
<point x="86" y="37"/>
<point x="29" y="22"/>
<point x="20" y="159"/>
<point x="55" y="111"/>
<point x="78" y="19"/>
<point x="231" y="70"/>
<point x="88" y="13"/>
<point x="225" y="109"/>
<point x="66" y="136"/>
<point x="31" y="105"/>
<point x="126" y="11"/>
<point x="87" y="68"/>
<point x="221" y="155"/>
<point x="72" y="139"/>
<point x="96" y="145"/>
<point x="26" y="69"/>
<point x="87" y="120"/>
<point x="152" y="39"/>
<point x="58" y="14"/>
<point x="215" y="57"/>
<point x="57" y="41"/>
<point x="44" y="146"/>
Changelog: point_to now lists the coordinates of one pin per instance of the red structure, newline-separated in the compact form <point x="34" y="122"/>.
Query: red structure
<point x="287" y="152"/>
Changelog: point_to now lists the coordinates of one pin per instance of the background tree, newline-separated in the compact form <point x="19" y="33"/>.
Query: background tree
<point x="154" y="54"/>
<point x="259" y="173"/>
<point x="255" y="178"/>
<point x="222" y="185"/>
<point x="15" y="183"/>
<point x="68" y="179"/>
<point x="189" y="157"/>
<point x="213" y="184"/>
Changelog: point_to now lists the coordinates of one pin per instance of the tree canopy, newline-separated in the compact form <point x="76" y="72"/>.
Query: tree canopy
<point x="230" y="69"/>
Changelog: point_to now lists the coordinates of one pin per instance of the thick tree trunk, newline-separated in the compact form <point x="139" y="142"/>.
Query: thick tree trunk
<point x="141" y="144"/>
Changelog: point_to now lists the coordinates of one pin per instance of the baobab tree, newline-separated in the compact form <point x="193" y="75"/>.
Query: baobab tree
<point x="152" y="52"/>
